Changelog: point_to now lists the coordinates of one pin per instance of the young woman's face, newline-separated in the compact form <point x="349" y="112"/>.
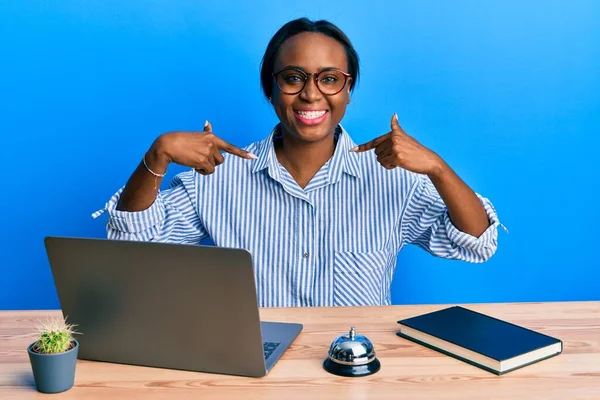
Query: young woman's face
<point x="310" y="115"/>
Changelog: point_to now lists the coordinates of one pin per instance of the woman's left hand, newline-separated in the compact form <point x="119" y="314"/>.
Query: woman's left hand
<point x="398" y="149"/>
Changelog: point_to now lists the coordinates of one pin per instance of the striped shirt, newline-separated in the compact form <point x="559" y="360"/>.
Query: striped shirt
<point x="332" y="243"/>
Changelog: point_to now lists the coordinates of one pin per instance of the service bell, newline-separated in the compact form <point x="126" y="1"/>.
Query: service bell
<point x="351" y="355"/>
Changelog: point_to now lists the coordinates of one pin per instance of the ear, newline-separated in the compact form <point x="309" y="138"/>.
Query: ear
<point x="348" y="95"/>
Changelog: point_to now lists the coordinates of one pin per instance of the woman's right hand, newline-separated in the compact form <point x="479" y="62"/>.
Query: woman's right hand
<point x="198" y="150"/>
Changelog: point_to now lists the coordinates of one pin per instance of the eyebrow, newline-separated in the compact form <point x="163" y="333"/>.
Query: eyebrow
<point x="303" y="70"/>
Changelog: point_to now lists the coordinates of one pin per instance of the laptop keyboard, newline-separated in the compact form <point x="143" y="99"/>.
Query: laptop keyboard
<point x="269" y="348"/>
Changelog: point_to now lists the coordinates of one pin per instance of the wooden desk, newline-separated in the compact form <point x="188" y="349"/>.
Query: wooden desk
<point x="409" y="371"/>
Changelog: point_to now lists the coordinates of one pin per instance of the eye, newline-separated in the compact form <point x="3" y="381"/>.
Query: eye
<point x="329" y="79"/>
<point x="293" y="78"/>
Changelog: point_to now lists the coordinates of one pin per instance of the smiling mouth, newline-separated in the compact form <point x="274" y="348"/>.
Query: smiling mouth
<point x="310" y="114"/>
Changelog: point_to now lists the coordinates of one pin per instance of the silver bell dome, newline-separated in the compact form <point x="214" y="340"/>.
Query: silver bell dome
<point x="351" y="355"/>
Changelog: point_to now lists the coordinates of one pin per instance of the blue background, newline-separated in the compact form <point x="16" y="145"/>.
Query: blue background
<point x="508" y="93"/>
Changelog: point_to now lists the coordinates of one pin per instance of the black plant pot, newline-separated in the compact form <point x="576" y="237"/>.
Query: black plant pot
<point x="54" y="373"/>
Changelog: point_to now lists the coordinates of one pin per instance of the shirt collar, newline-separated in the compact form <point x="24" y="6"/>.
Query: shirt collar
<point x="342" y="161"/>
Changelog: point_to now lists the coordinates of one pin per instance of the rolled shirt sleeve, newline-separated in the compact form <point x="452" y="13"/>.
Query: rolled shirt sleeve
<point x="173" y="216"/>
<point x="426" y="223"/>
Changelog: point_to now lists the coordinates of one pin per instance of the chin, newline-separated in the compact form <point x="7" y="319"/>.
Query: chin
<point x="313" y="133"/>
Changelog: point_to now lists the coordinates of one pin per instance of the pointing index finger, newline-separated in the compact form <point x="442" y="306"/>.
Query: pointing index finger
<point x="236" y="151"/>
<point x="370" y="145"/>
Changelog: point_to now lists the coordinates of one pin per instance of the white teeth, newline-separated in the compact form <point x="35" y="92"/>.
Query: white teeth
<point x="311" y="114"/>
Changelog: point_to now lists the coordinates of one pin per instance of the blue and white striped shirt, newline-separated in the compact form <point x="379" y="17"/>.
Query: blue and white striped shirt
<point x="333" y="243"/>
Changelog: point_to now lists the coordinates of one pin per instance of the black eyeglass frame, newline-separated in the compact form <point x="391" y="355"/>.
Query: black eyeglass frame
<point x="316" y="79"/>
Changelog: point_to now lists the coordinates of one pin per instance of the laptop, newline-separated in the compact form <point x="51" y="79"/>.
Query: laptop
<point x="165" y="305"/>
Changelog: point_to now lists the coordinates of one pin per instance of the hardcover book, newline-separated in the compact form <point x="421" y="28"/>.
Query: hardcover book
<point x="489" y="343"/>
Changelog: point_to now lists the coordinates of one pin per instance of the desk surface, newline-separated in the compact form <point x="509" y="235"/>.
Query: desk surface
<point x="409" y="371"/>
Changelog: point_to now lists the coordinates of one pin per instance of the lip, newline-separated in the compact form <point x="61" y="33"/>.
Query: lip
<point x="313" y="121"/>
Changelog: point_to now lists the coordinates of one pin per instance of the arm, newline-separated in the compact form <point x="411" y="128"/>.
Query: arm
<point x="142" y="188"/>
<point x="140" y="212"/>
<point x="172" y="216"/>
<point x="443" y="215"/>
<point x="198" y="150"/>
<point x="464" y="207"/>
<point x="426" y="222"/>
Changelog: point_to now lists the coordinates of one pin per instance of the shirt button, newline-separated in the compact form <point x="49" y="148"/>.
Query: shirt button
<point x="306" y="255"/>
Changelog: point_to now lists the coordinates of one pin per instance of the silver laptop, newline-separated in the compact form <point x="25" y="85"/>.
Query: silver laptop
<point x="166" y="305"/>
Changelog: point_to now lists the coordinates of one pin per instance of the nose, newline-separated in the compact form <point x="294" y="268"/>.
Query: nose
<point x="311" y="92"/>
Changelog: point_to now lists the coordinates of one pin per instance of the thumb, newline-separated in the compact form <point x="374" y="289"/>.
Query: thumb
<point x="207" y="126"/>
<point x="394" y="124"/>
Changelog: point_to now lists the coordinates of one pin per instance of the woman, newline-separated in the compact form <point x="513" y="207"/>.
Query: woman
<point x="324" y="219"/>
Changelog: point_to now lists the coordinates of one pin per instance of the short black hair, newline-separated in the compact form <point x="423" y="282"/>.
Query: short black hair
<point x="296" y="27"/>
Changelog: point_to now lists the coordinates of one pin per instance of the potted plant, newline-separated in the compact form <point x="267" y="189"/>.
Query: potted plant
<point x="53" y="356"/>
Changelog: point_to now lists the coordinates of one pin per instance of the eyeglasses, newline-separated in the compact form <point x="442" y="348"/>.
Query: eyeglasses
<point x="329" y="81"/>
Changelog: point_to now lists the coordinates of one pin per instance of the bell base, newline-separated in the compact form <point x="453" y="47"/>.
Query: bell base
<point x="351" y="370"/>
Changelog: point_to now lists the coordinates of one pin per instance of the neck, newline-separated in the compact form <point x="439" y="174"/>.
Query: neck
<point x="304" y="159"/>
